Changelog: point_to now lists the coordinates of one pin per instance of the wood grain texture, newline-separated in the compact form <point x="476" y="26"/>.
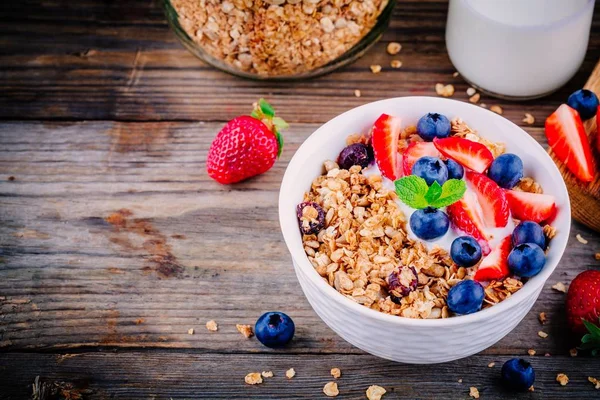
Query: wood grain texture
<point x="114" y="242"/>
<point x="175" y="375"/>
<point x="118" y="60"/>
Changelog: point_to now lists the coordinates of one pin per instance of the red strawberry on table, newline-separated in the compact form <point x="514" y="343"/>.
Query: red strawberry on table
<point x="466" y="152"/>
<point x="495" y="264"/>
<point x="583" y="300"/>
<point x="535" y="207"/>
<point x="384" y="139"/>
<point x="566" y="136"/>
<point x="414" y="151"/>
<point x="491" y="198"/>
<point x="598" y="130"/>
<point x="463" y="215"/>
<point x="246" y="146"/>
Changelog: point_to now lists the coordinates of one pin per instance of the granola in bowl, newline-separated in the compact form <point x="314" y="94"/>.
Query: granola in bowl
<point x="425" y="222"/>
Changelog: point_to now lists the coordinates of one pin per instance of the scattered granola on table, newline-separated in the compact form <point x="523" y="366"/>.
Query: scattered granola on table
<point x="542" y="334"/>
<point x="560" y="287"/>
<point x="474" y="392"/>
<point x="245" y="330"/>
<point x="290" y="373"/>
<point x="253" y="378"/>
<point x="375" y="392"/>
<point x="542" y="318"/>
<point x="267" y="374"/>
<point x="212" y="326"/>
<point x="336" y="373"/>
<point x="191" y="331"/>
<point x="277" y="37"/>
<point x="331" y="389"/>
<point x="562" y="379"/>
<point x="594" y="381"/>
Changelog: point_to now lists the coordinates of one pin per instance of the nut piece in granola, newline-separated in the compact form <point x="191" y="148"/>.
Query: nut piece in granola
<point x="290" y="373"/>
<point x="212" y="326"/>
<point x="245" y="330"/>
<point x="474" y="392"/>
<point x="331" y="389"/>
<point x="253" y="378"/>
<point x="394" y="48"/>
<point x="375" y="392"/>
<point x="562" y="379"/>
<point x="336" y="373"/>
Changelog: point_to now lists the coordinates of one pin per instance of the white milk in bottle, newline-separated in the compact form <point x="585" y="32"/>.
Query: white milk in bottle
<point x="518" y="48"/>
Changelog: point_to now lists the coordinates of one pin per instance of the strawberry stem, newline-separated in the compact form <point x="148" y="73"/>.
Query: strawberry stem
<point x="591" y="340"/>
<point x="264" y="112"/>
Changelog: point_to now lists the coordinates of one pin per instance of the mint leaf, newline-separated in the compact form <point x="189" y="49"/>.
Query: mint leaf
<point x="411" y="191"/>
<point x="434" y="192"/>
<point x="452" y="191"/>
<point x="266" y="108"/>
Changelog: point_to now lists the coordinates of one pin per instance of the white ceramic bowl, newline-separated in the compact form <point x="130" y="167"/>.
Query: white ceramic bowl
<point x="398" y="338"/>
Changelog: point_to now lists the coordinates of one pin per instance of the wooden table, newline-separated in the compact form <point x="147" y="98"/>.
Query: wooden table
<point x="114" y="242"/>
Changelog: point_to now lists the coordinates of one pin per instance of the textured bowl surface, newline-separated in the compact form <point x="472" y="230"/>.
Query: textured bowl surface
<point x="398" y="338"/>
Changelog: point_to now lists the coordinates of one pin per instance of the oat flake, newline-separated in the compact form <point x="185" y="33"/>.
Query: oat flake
<point x="394" y="48"/>
<point x="542" y="334"/>
<point x="396" y="64"/>
<point x="497" y="109"/>
<point x="531" y="352"/>
<point x="491" y="365"/>
<point x="331" y="389"/>
<point x="562" y="379"/>
<point x="253" y="378"/>
<point x="473" y="392"/>
<point x="560" y="287"/>
<point x="212" y="326"/>
<point x="267" y="374"/>
<point x="290" y="373"/>
<point x="375" y="68"/>
<point x="245" y="330"/>
<point x="336" y="373"/>
<point x="375" y="392"/>
<point x="357" y="93"/>
<point x="581" y="239"/>
<point x="191" y="331"/>
<point x="471" y="91"/>
<point x="475" y="98"/>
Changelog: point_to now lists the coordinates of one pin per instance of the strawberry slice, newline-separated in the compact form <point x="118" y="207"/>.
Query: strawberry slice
<point x="464" y="216"/>
<point x="566" y="136"/>
<point x="416" y="150"/>
<point x="535" y="207"/>
<point x="495" y="264"/>
<point x="491" y="199"/>
<point x="384" y="138"/>
<point x="466" y="152"/>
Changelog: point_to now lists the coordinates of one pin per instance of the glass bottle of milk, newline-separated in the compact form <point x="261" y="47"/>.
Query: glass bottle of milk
<point x="518" y="49"/>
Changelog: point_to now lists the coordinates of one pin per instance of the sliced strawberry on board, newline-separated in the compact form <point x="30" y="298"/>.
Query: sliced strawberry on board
<point x="464" y="216"/>
<point x="416" y="150"/>
<point x="495" y="264"/>
<point x="384" y="138"/>
<point x="566" y="136"/>
<point x="534" y="207"/>
<point x="466" y="152"/>
<point x="491" y="199"/>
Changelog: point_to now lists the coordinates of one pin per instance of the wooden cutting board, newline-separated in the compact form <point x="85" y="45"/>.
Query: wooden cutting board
<point x="585" y="197"/>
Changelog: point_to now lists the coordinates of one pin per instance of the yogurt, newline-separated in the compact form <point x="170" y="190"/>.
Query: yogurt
<point x="494" y="235"/>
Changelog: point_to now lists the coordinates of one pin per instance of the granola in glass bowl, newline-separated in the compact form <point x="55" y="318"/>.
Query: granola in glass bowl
<point x="425" y="222"/>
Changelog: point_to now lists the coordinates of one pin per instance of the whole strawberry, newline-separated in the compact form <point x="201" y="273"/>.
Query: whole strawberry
<point x="583" y="300"/>
<point x="246" y="146"/>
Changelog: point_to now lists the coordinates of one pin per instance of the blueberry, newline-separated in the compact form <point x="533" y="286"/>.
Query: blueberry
<point x="311" y="217"/>
<point x="455" y="170"/>
<point x="355" y="154"/>
<point x="518" y="374"/>
<point x="506" y="170"/>
<point x="465" y="297"/>
<point x="465" y="251"/>
<point x="274" y="329"/>
<point x="431" y="169"/>
<point x="585" y="102"/>
<point x="429" y="223"/>
<point x="526" y="260"/>
<point x="433" y="125"/>
<point x="529" y="232"/>
<point x="401" y="282"/>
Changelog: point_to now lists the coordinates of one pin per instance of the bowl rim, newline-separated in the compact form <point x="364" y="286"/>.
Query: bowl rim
<point x="302" y="263"/>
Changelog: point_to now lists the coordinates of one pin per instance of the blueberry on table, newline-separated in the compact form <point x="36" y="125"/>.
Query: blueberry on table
<point x="433" y="125"/>
<point x="429" y="223"/>
<point x="529" y="232"/>
<point x="355" y="154"/>
<point x="465" y="297"/>
<point x="274" y="329"/>
<point x="401" y="282"/>
<point x="455" y="170"/>
<point x="585" y="102"/>
<point x="517" y="374"/>
<point x="526" y="260"/>
<point x="311" y="217"/>
<point x="465" y="251"/>
<point x="431" y="169"/>
<point x="506" y="170"/>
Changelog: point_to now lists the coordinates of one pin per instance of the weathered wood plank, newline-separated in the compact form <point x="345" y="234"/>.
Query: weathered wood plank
<point x="74" y="274"/>
<point x="118" y="60"/>
<point x="166" y="375"/>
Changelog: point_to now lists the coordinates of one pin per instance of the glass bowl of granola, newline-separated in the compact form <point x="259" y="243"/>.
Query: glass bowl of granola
<point x="422" y="229"/>
<point x="278" y="39"/>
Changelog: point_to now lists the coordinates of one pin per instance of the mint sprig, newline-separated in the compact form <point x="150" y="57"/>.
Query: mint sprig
<point x="414" y="192"/>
